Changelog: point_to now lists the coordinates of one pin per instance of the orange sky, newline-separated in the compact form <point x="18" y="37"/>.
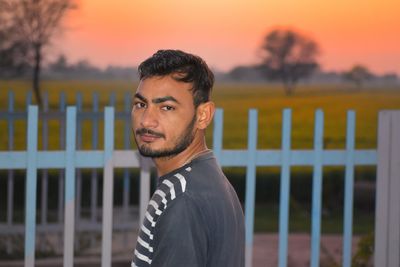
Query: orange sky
<point x="229" y="32"/>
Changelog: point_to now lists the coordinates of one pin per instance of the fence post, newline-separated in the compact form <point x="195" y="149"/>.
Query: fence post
<point x="79" y="125"/>
<point x="218" y="133"/>
<point x="61" y="175"/>
<point x="45" y="176"/>
<point x="108" y="187"/>
<point x="127" y="133"/>
<point x="144" y="193"/>
<point x="10" y="179"/>
<point x="31" y="184"/>
<point x="349" y="189"/>
<point x="94" y="179"/>
<point x="284" y="189"/>
<point x="69" y="217"/>
<point x="317" y="188"/>
<point x="250" y="185"/>
<point x="126" y="179"/>
<point x="387" y="220"/>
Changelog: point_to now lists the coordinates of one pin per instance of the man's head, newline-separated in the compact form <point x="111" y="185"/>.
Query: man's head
<point x="183" y="67"/>
<point x="171" y="107"/>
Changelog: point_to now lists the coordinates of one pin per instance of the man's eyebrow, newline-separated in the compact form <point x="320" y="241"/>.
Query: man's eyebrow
<point x="164" y="99"/>
<point x="157" y="100"/>
<point x="137" y="95"/>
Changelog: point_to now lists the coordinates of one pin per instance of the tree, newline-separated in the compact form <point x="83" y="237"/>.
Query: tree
<point x="358" y="74"/>
<point x="288" y="57"/>
<point x="12" y="58"/>
<point x="13" y="51"/>
<point x="246" y="73"/>
<point x="34" y="23"/>
<point x="60" y="65"/>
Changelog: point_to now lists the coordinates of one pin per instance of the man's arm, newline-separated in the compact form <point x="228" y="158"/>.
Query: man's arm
<point x="180" y="236"/>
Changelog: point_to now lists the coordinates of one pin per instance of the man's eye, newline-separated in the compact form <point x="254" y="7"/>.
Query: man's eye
<point x="139" y="105"/>
<point x="167" y="108"/>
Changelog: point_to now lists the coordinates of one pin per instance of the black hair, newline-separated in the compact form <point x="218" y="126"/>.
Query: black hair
<point x="182" y="67"/>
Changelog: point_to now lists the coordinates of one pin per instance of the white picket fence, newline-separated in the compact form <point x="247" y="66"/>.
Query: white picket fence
<point x="387" y="158"/>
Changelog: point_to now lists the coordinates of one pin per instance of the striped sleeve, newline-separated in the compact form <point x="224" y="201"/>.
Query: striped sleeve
<point x="167" y="191"/>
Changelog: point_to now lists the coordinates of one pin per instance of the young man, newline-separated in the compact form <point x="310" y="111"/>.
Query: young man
<point x="194" y="217"/>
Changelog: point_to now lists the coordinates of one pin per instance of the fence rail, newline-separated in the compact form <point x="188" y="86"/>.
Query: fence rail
<point x="47" y="116"/>
<point x="72" y="158"/>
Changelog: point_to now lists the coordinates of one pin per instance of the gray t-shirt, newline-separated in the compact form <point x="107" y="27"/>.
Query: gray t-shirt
<point x="194" y="218"/>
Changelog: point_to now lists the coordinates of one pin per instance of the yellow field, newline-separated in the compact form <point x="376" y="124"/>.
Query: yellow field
<point x="236" y="100"/>
<point x="270" y="102"/>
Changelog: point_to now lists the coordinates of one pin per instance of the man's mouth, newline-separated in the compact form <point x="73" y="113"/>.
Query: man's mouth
<point x="147" y="135"/>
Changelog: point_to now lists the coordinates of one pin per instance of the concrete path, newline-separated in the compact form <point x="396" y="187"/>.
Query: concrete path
<point x="265" y="252"/>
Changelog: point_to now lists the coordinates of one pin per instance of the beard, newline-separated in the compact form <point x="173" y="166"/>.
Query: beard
<point x="182" y="142"/>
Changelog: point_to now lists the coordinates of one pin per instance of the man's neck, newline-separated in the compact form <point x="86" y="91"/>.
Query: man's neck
<point x="167" y="165"/>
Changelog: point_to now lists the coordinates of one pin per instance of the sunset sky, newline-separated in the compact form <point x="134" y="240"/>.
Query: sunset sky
<point x="227" y="33"/>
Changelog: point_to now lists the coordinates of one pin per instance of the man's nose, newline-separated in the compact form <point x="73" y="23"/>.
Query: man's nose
<point x="149" y="118"/>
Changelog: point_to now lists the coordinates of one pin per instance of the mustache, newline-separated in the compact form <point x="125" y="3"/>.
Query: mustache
<point x="142" y="131"/>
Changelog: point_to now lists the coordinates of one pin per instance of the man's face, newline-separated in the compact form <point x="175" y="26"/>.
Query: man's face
<point x="163" y="117"/>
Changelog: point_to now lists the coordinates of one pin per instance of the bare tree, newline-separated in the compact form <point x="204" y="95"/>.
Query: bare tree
<point x="34" y="23"/>
<point x="13" y="51"/>
<point x="288" y="57"/>
<point x="358" y="75"/>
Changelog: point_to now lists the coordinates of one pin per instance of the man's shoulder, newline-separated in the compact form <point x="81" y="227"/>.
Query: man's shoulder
<point x="175" y="183"/>
<point x="198" y="180"/>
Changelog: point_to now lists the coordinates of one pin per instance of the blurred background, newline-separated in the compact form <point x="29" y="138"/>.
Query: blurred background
<point x="268" y="55"/>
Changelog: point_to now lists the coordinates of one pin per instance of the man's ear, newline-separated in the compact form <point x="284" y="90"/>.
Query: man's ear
<point x="205" y="114"/>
